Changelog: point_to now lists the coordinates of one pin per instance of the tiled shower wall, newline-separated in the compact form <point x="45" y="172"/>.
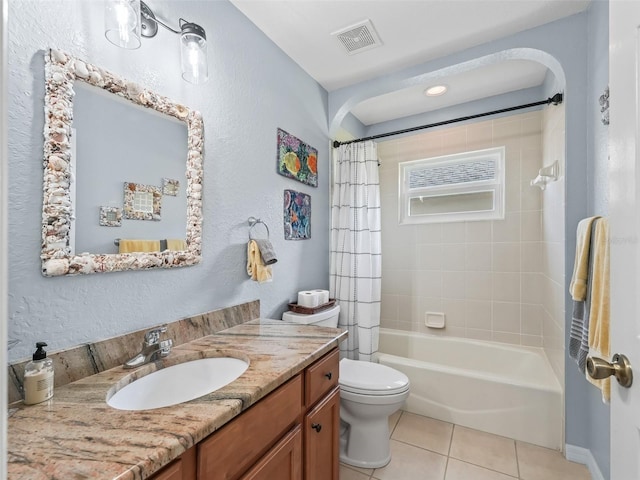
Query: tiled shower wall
<point x="488" y="277"/>
<point x="553" y="247"/>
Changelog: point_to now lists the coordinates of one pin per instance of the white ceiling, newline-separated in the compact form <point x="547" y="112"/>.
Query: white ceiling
<point x="412" y="32"/>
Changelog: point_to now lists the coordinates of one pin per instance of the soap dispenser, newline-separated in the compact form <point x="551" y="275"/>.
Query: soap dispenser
<point x="38" y="377"/>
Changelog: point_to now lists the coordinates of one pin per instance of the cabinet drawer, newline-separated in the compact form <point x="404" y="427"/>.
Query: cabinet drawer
<point x="321" y="377"/>
<point x="228" y="453"/>
<point x="283" y="461"/>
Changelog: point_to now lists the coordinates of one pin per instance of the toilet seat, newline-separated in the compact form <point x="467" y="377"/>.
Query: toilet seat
<point x="367" y="378"/>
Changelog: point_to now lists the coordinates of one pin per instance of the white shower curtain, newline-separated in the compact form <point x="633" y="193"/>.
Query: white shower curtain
<point x="356" y="256"/>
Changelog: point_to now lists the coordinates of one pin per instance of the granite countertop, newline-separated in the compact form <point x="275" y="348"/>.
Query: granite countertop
<point x="77" y="435"/>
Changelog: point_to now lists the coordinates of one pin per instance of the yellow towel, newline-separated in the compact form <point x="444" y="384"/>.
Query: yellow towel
<point x="176" y="244"/>
<point x="599" y="309"/>
<point x="256" y="269"/>
<point x="578" y="285"/>
<point x="128" y="246"/>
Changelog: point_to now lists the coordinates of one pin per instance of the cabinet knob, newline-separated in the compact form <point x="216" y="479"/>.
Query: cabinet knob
<point x="316" y="426"/>
<point x="328" y="375"/>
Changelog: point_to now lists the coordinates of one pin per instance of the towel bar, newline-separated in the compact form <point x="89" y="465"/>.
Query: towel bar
<point x="253" y="221"/>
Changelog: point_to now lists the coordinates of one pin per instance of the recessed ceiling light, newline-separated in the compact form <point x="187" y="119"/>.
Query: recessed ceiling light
<point x="435" y="91"/>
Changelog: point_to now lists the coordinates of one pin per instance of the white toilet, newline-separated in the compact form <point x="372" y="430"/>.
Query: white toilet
<point x="369" y="394"/>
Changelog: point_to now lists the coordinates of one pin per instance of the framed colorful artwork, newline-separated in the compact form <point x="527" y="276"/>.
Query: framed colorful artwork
<point x="297" y="215"/>
<point x="296" y="159"/>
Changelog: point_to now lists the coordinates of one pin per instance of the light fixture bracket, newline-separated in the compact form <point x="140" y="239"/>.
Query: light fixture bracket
<point x="193" y="28"/>
<point x="148" y="21"/>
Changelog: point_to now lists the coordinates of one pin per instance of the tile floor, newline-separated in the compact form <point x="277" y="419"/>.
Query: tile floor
<point x="426" y="449"/>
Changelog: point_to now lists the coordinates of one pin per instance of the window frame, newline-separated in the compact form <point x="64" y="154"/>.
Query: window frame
<point x="496" y="186"/>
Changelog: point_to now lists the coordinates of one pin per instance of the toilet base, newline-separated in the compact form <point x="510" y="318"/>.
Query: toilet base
<point x="357" y="449"/>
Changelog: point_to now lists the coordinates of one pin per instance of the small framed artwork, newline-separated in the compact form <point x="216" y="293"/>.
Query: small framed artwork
<point x="296" y="159"/>
<point x="141" y="202"/>
<point x="110" y="216"/>
<point x="170" y="187"/>
<point x="297" y="215"/>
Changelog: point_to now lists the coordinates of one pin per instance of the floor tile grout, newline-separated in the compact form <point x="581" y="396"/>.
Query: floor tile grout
<point x="448" y="457"/>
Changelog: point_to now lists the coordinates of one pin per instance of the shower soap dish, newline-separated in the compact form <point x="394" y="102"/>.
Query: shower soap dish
<point x="434" y="319"/>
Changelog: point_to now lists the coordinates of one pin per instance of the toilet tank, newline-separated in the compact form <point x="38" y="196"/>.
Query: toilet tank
<point x="324" y="318"/>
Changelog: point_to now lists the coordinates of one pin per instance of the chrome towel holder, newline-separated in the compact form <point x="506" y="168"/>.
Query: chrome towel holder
<point x="253" y="221"/>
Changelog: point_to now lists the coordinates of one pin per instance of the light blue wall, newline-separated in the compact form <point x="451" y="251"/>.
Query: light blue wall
<point x="253" y="89"/>
<point x="575" y="49"/>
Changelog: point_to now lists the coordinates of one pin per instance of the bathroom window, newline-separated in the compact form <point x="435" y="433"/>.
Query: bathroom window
<point x="453" y="188"/>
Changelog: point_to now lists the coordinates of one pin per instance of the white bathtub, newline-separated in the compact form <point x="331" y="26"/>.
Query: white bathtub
<point x="493" y="387"/>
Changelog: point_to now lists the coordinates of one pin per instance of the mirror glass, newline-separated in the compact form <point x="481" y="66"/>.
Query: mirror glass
<point x="123" y="174"/>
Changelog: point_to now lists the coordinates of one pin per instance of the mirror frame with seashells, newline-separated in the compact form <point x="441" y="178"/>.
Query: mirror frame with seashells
<point x="61" y="71"/>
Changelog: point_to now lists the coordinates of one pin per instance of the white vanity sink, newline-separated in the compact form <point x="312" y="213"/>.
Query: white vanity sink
<point x="178" y="383"/>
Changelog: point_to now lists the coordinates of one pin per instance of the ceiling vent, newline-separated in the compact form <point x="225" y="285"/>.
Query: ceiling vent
<point x="359" y="37"/>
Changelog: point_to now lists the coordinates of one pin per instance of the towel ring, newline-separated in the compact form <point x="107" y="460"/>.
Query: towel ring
<point x="253" y="221"/>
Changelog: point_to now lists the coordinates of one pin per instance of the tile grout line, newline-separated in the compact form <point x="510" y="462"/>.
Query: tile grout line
<point x="446" y="466"/>
<point x="515" y="447"/>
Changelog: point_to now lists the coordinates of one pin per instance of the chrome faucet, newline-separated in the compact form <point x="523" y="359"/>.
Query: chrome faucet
<point x="152" y="349"/>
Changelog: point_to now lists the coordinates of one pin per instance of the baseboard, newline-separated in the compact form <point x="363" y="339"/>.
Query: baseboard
<point x="583" y="456"/>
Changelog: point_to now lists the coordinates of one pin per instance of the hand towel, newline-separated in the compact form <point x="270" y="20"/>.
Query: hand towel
<point x="599" y="310"/>
<point x="578" y="285"/>
<point x="579" y="330"/>
<point x="266" y="251"/>
<point x="579" y="333"/>
<point x="255" y="268"/>
<point x="128" y="245"/>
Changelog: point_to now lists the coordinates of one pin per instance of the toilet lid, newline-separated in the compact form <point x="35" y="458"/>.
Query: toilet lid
<point x="371" y="378"/>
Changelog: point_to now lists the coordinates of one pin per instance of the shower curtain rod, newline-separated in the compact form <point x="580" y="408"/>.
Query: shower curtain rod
<point x="556" y="99"/>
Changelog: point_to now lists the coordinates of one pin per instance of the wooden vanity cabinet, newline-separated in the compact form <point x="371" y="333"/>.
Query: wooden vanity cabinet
<point x="282" y="462"/>
<point x="322" y="435"/>
<point x="182" y="468"/>
<point x="322" y="420"/>
<point x="231" y="451"/>
<point x="291" y="434"/>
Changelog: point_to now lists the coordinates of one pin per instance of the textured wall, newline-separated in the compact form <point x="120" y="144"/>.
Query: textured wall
<point x="253" y="89"/>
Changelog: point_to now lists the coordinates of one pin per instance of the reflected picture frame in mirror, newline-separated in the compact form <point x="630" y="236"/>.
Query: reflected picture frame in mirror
<point x="58" y="258"/>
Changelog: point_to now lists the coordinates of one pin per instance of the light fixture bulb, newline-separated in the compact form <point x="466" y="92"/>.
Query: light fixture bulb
<point x="122" y="23"/>
<point x="193" y="53"/>
<point x="435" y="90"/>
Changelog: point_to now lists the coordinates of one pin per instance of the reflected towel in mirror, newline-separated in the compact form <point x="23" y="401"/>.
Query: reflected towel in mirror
<point x="176" y="244"/>
<point x="129" y="245"/>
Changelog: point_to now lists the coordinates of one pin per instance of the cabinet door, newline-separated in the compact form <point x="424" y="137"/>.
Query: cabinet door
<point x="228" y="453"/>
<point x="282" y="462"/>
<point x="321" y="435"/>
<point x="183" y="468"/>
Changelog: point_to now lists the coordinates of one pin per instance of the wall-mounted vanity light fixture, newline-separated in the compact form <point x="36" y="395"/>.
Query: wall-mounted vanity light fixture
<point x="126" y="20"/>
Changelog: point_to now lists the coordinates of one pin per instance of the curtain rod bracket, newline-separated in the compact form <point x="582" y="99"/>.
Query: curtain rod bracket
<point x="556" y="100"/>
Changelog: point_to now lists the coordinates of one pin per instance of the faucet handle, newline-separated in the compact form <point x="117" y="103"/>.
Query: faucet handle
<point x="153" y="336"/>
<point x="165" y="347"/>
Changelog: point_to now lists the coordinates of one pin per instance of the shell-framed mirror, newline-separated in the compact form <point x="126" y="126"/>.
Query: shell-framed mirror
<point x="74" y="242"/>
